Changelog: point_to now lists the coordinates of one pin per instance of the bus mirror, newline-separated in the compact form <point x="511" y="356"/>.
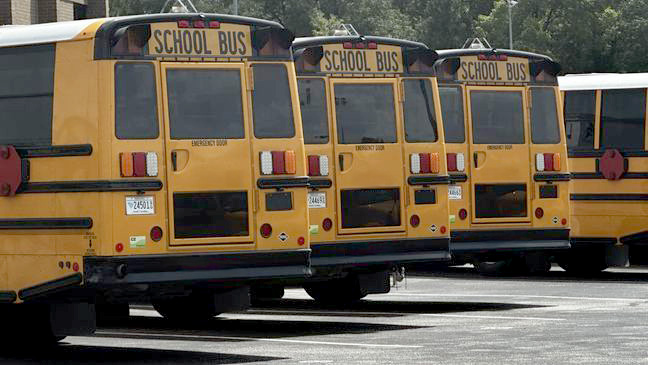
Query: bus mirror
<point x="544" y="70"/>
<point x="130" y="40"/>
<point x="420" y="60"/>
<point x="447" y="69"/>
<point x="308" y="60"/>
<point x="272" y="42"/>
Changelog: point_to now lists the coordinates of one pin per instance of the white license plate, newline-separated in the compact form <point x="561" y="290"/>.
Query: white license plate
<point x="454" y="192"/>
<point x="317" y="200"/>
<point x="140" y="205"/>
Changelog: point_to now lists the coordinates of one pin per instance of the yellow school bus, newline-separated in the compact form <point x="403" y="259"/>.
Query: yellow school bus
<point x="375" y="154"/>
<point x="605" y="121"/>
<point x="155" y="157"/>
<point x="507" y="158"/>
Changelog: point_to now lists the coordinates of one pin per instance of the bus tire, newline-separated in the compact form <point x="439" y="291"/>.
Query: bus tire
<point x="583" y="262"/>
<point x="493" y="268"/>
<point x="262" y="293"/>
<point x="189" y="309"/>
<point x="335" y="292"/>
<point x="112" y="313"/>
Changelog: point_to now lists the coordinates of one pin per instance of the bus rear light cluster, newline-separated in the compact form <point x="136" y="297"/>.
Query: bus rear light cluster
<point x="360" y="45"/>
<point x="548" y="161"/>
<point x="318" y="165"/>
<point x="198" y="24"/>
<point x="456" y="162"/>
<point x="278" y="163"/>
<point x="265" y="230"/>
<point x="424" y="163"/>
<point x="138" y="164"/>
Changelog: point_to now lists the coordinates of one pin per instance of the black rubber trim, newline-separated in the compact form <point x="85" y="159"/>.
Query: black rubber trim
<point x="307" y="42"/>
<point x="599" y="153"/>
<point x="284" y="183"/>
<point x="107" y="271"/>
<point x="609" y="197"/>
<point x="551" y="177"/>
<point x="635" y="238"/>
<point x="8" y="296"/>
<point x="379" y="252"/>
<point x="50" y="287"/>
<point x="91" y="186"/>
<point x="598" y="175"/>
<point x="428" y="180"/>
<point x="45" y="223"/>
<point x="456" y="178"/>
<point x="508" y="240"/>
<point x="592" y="241"/>
<point x="55" y="151"/>
<point x="320" y="183"/>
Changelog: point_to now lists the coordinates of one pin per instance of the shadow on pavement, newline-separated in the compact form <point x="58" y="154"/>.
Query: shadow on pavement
<point x="77" y="354"/>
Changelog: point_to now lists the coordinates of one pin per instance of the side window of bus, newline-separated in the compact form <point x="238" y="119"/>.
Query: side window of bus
<point x="26" y="94"/>
<point x="419" y="113"/>
<point x="622" y="118"/>
<point x="272" y="102"/>
<point x="452" y="110"/>
<point x="312" y="98"/>
<point x="365" y="113"/>
<point x="205" y="103"/>
<point x="580" y="110"/>
<point x="497" y="117"/>
<point x="544" y="116"/>
<point x="135" y="101"/>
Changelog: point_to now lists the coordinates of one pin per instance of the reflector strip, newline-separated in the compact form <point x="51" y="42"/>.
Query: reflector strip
<point x="415" y="163"/>
<point x="540" y="162"/>
<point x="434" y="163"/>
<point x="266" y="163"/>
<point x="139" y="164"/>
<point x="126" y="164"/>
<point x="323" y="165"/>
<point x="291" y="163"/>
<point x="151" y="164"/>
<point x="313" y="165"/>
<point x="278" y="163"/>
<point x="548" y="161"/>
<point x="451" y="159"/>
<point x="461" y="162"/>
<point x="425" y="163"/>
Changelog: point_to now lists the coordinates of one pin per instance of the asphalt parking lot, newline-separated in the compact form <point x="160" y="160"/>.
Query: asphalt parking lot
<point x="451" y="317"/>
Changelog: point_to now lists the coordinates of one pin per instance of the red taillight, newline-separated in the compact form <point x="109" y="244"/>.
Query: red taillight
<point x="75" y="267"/>
<point x="443" y="229"/>
<point x="539" y="213"/>
<point x="278" y="163"/>
<point x="463" y="214"/>
<point x="313" y="166"/>
<point x="372" y="45"/>
<point x="415" y="220"/>
<point x="214" y="24"/>
<point x="266" y="230"/>
<point x="452" y="161"/>
<point x="119" y="247"/>
<point x="301" y="241"/>
<point x="359" y="45"/>
<point x="347" y="45"/>
<point x="482" y="57"/>
<point x="425" y="163"/>
<point x="198" y="24"/>
<point x="564" y="221"/>
<point x="156" y="234"/>
<point x="184" y="24"/>
<point x="139" y="164"/>
<point x="327" y="224"/>
<point x="548" y="161"/>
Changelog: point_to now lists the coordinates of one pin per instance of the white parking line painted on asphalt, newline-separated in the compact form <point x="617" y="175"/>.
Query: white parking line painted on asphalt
<point x="199" y="337"/>
<point x="509" y="296"/>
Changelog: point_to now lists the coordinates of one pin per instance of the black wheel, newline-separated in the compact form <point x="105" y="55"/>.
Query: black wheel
<point x="494" y="268"/>
<point x="190" y="309"/>
<point x="339" y="291"/>
<point x="583" y="262"/>
<point x="32" y="327"/>
<point x="260" y="294"/>
<point x="112" y="313"/>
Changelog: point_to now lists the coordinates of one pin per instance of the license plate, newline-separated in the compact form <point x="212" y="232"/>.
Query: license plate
<point x="317" y="200"/>
<point x="454" y="192"/>
<point x="140" y="205"/>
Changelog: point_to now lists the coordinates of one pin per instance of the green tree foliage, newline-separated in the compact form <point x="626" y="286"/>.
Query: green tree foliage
<point x="583" y="35"/>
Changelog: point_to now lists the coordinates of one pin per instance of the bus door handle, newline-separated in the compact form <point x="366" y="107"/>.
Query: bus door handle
<point x="174" y="160"/>
<point x="476" y="158"/>
<point x="341" y="160"/>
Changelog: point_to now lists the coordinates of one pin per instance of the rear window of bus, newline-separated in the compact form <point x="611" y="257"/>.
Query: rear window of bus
<point x="497" y="117"/>
<point x="26" y="94"/>
<point x="312" y="98"/>
<point x="622" y="118"/>
<point x="544" y="116"/>
<point x="272" y="102"/>
<point x="205" y="103"/>
<point x="452" y="111"/>
<point x="418" y="110"/>
<point x="365" y="113"/>
<point x="580" y="110"/>
<point x="135" y="101"/>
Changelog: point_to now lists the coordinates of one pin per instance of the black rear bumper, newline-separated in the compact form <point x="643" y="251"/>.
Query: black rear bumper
<point x="110" y="271"/>
<point x="501" y="241"/>
<point x="380" y="252"/>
